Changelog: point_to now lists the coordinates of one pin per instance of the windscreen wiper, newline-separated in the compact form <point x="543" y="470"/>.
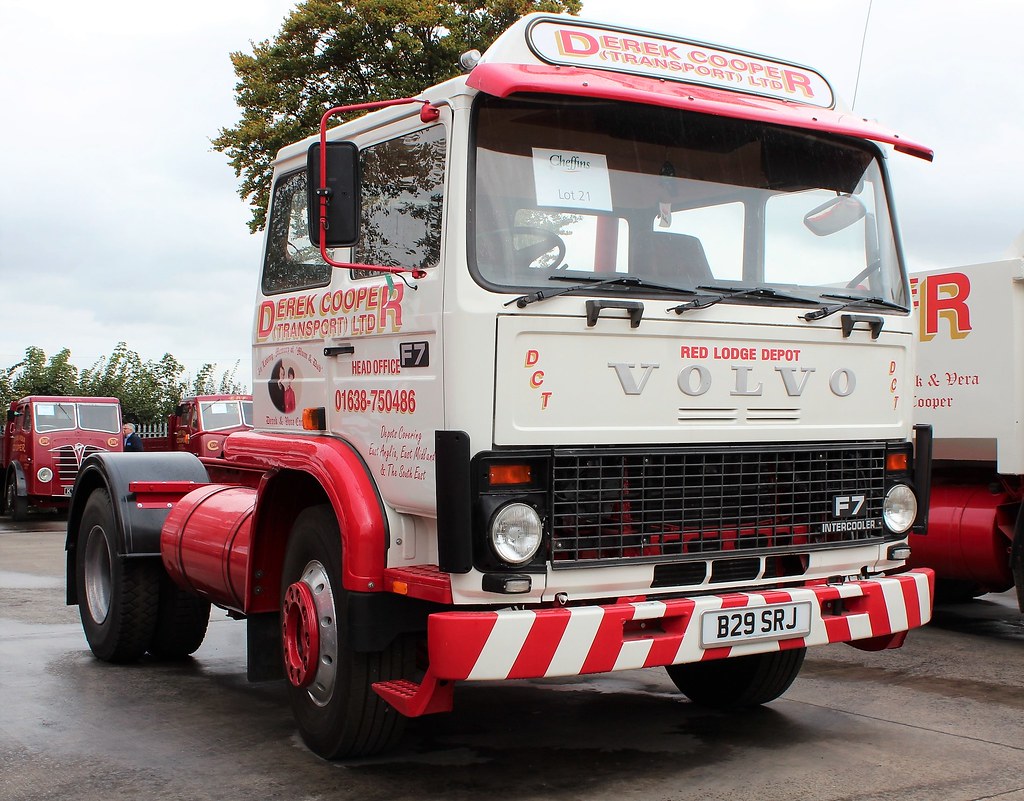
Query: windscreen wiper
<point x="590" y="283"/>
<point x="851" y="300"/>
<point x="731" y="293"/>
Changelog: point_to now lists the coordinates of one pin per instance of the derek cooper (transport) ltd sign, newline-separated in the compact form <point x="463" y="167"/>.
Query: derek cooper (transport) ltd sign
<point x="652" y="56"/>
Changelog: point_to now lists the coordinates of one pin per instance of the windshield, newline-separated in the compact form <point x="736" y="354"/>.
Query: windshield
<point x="103" y="417"/>
<point x="54" y="417"/>
<point x="680" y="199"/>
<point x="99" y="417"/>
<point x="218" y="415"/>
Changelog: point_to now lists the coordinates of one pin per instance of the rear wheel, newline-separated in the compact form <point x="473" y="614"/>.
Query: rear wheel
<point x="118" y="598"/>
<point x="182" y="620"/>
<point x="338" y="713"/>
<point x="15" y="505"/>
<point x="741" y="681"/>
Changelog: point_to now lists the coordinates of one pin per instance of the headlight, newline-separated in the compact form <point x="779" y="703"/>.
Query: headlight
<point x="44" y="474"/>
<point x="900" y="508"/>
<point x="516" y="533"/>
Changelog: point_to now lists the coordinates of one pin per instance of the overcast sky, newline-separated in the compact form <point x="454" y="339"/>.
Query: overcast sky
<point x="118" y="221"/>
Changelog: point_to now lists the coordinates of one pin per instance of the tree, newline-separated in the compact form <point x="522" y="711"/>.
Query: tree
<point x="340" y="52"/>
<point x="206" y="382"/>
<point x="148" y="390"/>
<point x="34" y="375"/>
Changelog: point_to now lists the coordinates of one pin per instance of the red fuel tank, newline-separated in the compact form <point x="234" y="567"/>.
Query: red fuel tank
<point x="970" y="529"/>
<point x="205" y="542"/>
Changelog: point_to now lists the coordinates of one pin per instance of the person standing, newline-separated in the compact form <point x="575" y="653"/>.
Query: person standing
<point x="132" y="441"/>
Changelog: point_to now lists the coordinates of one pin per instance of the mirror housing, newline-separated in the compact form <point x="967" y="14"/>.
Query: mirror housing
<point x="343" y="195"/>
<point x="834" y="215"/>
<point x="12" y="415"/>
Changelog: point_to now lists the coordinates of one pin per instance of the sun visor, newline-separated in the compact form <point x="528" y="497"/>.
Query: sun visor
<point x="503" y="80"/>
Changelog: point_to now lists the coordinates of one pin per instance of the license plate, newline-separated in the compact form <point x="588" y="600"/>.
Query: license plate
<point x="67" y="491"/>
<point x="749" y="624"/>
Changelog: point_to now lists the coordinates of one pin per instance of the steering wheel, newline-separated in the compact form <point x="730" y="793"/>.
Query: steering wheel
<point x="546" y="241"/>
<point x="870" y="269"/>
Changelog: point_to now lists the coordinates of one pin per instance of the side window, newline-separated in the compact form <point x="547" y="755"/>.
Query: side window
<point x="292" y="261"/>
<point x="403" y="193"/>
<point x="26" y="418"/>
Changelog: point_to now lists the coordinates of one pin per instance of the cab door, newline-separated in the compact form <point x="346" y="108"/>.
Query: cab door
<point x="384" y="364"/>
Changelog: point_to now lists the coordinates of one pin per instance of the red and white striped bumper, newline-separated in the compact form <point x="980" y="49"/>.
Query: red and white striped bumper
<point x="519" y="644"/>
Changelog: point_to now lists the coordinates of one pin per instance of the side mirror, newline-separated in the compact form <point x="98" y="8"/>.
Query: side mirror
<point x="343" y="207"/>
<point x="11" y="415"/>
<point x="834" y="215"/>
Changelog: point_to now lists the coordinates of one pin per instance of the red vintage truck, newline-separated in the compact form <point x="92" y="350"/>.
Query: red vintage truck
<point x="597" y="357"/>
<point x="45" y="439"/>
<point x="201" y="423"/>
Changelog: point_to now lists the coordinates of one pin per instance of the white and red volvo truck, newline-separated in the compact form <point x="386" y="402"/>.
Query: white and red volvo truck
<point x="597" y="357"/>
<point x="971" y="332"/>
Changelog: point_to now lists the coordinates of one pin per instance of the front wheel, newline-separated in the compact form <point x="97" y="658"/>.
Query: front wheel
<point x="15" y="505"/>
<point x="742" y="681"/>
<point x="329" y="683"/>
<point x="118" y="598"/>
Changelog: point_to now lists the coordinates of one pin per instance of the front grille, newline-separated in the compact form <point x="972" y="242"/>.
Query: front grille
<point x="67" y="460"/>
<point x="669" y="505"/>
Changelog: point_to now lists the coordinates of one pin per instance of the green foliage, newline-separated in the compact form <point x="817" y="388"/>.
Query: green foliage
<point x="148" y="390"/>
<point x="207" y="383"/>
<point x="330" y="53"/>
<point x="33" y="375"/>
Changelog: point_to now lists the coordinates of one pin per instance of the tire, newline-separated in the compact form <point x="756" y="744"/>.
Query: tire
<point x="15" y="505"/>
<point x="118" y="598"/>
<point x="739" y="682"/>
<point x="182" y="620"/>
<point x="337" y="712"/>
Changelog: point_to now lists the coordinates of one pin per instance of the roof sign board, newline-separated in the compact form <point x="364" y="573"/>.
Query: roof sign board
<point x="575" y="44"/>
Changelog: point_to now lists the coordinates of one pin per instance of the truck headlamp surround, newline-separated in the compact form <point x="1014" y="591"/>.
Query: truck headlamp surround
<point x="899" y="510"/>
<point x="516" y="533"/>
<point x="44" y="474"/>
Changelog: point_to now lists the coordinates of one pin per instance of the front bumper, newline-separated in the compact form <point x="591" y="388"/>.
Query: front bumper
<point x="523" y="643"/>
<point x="519" y="644"/>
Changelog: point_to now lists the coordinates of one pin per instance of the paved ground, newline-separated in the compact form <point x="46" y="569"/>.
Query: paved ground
<point x="938" y="719"/>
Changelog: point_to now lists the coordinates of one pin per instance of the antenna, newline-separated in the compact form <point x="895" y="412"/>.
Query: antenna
<point x="860" y="61"/>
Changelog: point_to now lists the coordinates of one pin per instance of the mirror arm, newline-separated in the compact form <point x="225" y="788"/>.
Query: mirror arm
<point x="428" y="113"/>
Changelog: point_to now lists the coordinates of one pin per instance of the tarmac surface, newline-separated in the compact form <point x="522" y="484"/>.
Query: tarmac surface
<point x="938" y="719"/>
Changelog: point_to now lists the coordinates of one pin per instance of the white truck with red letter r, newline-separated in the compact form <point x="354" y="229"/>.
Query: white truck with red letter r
<point x="971" y="331"/>
<point x="597" y="357"/>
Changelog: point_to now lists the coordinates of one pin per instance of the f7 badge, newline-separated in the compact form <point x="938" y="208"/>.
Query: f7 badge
<point x="844" y="506"/>
<point x="414" y="354"/>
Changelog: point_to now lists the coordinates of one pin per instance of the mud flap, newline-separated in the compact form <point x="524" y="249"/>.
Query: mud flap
<point x="1017" y="558"/>
<point x="263" y="647"/>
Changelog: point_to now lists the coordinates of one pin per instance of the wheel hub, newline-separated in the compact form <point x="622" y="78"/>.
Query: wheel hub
<point x="98" y="575"/>
<point x="310" y="634"/>
<point x="301" y="635"/>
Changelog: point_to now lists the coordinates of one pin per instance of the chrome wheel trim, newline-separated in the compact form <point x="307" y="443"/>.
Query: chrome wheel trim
<point x="98" y="576"/>
<point x="322" y="689"/>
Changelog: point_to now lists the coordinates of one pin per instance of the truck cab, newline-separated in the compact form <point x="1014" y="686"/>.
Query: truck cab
<point x="45" y="440"/>
<point x="201" y="423"/>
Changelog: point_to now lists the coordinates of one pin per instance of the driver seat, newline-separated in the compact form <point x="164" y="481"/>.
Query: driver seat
<point x="677" y="259"/>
